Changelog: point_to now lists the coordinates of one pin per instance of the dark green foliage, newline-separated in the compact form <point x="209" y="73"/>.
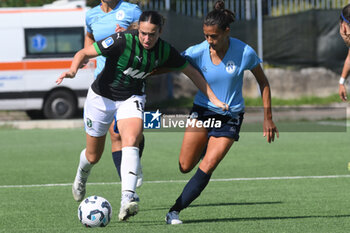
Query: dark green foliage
<point x="23" y="3"/>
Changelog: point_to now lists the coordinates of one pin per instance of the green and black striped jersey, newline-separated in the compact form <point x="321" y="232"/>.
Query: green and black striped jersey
<point x="128" y="64"/>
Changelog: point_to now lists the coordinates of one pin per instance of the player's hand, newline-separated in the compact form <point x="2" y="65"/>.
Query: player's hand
<point x="222" y="105"/>
<point x="342" y="93"/>
<point x="68" y="74"/>
<point x="119" y="28"/>
<point x="270" y="130"/>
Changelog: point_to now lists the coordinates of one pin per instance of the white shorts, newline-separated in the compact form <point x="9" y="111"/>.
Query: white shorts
<point x="99" y="111"/>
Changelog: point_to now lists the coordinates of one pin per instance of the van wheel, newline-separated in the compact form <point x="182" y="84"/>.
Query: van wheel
<point x="60" y="104"/>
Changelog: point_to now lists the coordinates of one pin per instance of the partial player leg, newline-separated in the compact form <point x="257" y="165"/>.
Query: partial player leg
<point x="117" y="151"/>
<point x="139" y="172"/>
<point x="129" y="166"/>
<point x="216" y="151"/>
<point x="116" y="146"/>
<point x="193" y="144"/>
<point x="98" y="115"/>
<point x="192" y="190"/>
<point x="88" y="157"/>
<point x="131" y="132"/>
<point x="79" y="184"/>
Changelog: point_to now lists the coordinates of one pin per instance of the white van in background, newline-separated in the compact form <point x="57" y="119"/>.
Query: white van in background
<point x="37" y="44"/>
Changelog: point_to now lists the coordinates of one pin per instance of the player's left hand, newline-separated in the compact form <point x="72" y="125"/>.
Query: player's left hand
<point x="270" y="130"/>
<point x="68" y="74"/>
<point x="119" y="28"/>
<point x="222" y="105"/>
<point x="342" y="93"/>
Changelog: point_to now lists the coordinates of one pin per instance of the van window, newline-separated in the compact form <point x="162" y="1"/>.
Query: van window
<point x="53" y="42"/>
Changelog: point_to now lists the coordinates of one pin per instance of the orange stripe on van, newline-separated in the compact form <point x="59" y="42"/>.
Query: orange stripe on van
<point x="38" y="65"/>
<point x="39" y="10"/>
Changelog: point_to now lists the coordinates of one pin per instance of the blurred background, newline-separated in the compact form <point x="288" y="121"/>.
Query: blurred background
<point x="298" y="41"/>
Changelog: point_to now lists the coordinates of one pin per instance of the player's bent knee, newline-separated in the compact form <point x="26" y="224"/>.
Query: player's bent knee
<point x="185" y="168"/>
<point x="93" y="158"/>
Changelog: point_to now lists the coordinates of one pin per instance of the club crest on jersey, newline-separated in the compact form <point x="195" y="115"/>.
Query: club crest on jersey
<point x="107" y="42"/>
<point x="88" y="122"/>
<point x="120" y="15"/>
<point x="230" y="67"/>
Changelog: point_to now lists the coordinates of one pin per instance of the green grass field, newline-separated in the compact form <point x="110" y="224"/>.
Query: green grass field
<point x="292" y="198"/>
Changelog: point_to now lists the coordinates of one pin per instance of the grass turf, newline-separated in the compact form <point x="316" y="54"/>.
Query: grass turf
<point x="285" y="205"/>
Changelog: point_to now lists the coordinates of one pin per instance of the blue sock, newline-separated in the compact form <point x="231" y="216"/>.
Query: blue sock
<point x="117" y="155"/>
<point x="117" y="159"/>
<point x="192" y="190"/>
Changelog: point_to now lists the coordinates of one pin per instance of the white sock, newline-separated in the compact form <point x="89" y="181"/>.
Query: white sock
<point x="84" y="166"/>
<point x="129" y="167"/>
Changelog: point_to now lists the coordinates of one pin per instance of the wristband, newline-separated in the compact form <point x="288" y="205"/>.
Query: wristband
<point x="342" y="81"/>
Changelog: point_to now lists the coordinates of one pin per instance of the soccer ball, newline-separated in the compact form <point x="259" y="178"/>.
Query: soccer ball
<point x="95" y="211"/>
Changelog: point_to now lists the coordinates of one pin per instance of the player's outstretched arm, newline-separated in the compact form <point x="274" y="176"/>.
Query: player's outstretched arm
<point x="78" y="60"/>
<point x="202" y="85"/>
<point x="344" y="74"/>
<point x="269" y="127"/>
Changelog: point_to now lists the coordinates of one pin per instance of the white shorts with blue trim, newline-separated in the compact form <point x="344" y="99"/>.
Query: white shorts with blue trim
<point x="99" y="112"/>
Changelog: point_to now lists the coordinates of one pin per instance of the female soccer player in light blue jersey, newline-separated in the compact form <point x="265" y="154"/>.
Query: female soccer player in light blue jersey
<point x="107" y="18"/>
<point x="222" y="61"/>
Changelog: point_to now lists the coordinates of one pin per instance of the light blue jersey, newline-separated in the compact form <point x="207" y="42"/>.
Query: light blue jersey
<point x="225" y="79"/>
<point x="102" y="25"/>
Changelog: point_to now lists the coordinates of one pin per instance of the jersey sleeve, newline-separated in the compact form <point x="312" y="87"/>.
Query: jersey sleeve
<point x="136" y="13"/>
<point x="250" y="58"/>
<point x="87" y="22"/>
<point x="175" y="61"/>
<point x="110" y="46"/>
<point x="191" y="57"/>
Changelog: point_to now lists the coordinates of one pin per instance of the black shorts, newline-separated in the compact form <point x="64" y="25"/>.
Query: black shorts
<point x="229" y="127"/>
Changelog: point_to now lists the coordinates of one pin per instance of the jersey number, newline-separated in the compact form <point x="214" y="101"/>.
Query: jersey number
<point x="139" y="105"/>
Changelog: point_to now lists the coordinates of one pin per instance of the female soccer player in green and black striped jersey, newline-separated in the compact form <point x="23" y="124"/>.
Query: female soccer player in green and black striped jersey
<point x="119" y="89"/>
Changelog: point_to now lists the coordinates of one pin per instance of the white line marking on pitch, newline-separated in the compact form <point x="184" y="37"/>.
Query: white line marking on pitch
<point x="184" y="181"/>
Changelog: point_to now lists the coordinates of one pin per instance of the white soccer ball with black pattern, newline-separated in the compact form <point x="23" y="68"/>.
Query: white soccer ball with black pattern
<point x="95" y="211"/>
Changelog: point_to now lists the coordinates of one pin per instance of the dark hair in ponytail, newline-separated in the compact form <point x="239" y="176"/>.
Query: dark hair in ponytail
<point x="345" y="14"/>
<point x="220" y="16"/>
<point x="153" y="17"/>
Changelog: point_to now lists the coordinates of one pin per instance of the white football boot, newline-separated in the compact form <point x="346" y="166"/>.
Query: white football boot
<point x="79" y="189"/>
<point x="173" y="218"/>
<point x="128" y="207"/>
